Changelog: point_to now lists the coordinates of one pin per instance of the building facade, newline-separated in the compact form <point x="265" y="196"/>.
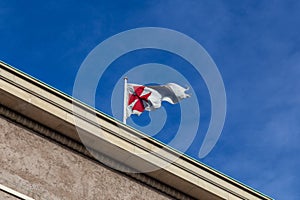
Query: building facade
<point x="55" y="147"/>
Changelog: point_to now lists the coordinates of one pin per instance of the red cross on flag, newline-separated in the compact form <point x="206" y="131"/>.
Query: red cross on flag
<point x="140" y="98"/>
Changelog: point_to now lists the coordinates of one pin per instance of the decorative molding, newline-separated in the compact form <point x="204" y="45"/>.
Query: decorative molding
<point x="95" y="156"/>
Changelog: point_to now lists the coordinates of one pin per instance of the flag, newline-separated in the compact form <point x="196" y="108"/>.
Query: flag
<point x="141" y="98"/>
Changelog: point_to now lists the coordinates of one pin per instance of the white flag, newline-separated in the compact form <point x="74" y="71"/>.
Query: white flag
<point x="149" y="98"/>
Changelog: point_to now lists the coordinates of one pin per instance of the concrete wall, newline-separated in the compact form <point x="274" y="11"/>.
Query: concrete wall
<point x="42" y="169"/>
<point x="6" y="196"/>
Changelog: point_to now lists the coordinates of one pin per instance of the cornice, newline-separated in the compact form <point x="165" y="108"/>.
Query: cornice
<point x="54" y="111"/>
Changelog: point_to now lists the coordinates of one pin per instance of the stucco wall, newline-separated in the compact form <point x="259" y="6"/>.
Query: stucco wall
<point x="42" y="169"/>
<point x="6" y="196"/>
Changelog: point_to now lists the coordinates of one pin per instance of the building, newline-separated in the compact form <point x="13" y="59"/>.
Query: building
<point x="43" y="156"/>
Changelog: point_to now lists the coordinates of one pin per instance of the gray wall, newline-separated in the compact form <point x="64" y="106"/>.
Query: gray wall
<point x="6" y="196"/>
<point x="42" y="169"/>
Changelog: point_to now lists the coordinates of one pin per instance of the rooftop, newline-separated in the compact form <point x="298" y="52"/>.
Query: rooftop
<point x="101" y="134"/>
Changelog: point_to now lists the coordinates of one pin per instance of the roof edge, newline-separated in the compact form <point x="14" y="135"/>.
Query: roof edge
<point x="63" y="104"/>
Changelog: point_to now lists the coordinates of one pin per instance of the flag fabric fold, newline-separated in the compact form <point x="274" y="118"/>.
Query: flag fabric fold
<point x="141" y="98"/>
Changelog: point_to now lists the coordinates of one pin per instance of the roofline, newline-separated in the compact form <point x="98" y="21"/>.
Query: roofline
<point x="63" y="102"/>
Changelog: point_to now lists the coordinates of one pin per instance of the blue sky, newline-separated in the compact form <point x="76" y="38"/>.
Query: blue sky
<point x="255" y="45"/>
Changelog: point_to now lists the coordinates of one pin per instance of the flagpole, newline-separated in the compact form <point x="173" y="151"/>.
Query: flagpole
<point x="125" y="100"/>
